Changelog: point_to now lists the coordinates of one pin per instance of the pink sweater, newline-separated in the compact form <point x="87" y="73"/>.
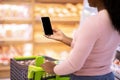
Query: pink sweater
<point x="93" y="48"/>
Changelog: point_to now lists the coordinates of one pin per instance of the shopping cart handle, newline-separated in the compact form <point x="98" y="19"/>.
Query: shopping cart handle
<point x="39" y="61"/>
<point x="34" y="69"/>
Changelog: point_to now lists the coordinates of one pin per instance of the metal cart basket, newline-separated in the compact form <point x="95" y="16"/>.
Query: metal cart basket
<point x="20" y="69"/>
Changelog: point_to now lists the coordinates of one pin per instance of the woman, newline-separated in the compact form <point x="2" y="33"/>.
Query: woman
<point x="93" y="44"/>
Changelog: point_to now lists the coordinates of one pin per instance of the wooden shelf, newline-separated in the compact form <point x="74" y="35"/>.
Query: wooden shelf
<point x="37" y="40"/>
<point x="17" y="1"/>
<point x="14" y="42"/>
<point x="4" y="71"/>
<point x="4" y="67"/>
<point x="66" y="19"/>
<point x="16" y="21"/>
<point x="63" y="19"/>
<point x="45" y="1"/>
<point x="60" y="1"/>
<point x="14" y="39"/>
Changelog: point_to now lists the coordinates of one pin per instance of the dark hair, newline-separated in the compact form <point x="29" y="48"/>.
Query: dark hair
<point x="117" y="56"/>
<point x="113" y="8"/>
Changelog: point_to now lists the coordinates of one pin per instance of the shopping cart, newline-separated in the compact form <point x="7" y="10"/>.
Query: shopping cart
<point x="20" y="69"/>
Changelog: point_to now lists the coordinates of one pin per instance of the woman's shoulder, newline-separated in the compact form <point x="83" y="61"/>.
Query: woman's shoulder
<point x="101" y="20"/>
<point x="100" y="17"/>
<point x="97" y="23"/>
<point x="93" y="22"/>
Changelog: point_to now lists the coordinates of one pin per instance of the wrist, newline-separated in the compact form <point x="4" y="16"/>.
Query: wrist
<point x="63" y="39"/>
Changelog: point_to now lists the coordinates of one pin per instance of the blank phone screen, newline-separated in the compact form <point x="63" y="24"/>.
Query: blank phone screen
<point x="47" y="25"/>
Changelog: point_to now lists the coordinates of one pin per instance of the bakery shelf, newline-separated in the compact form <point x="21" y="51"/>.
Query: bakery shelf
<point x="60" y="1"/>
<point x="66" y="17"/>
<point x="15" y="1"/>
<point x="4" y="71"/>
<point x="11" y="12"/>
<point x="59" y="12"/>
<point x="16" y="21"/>
<point x="14" y="42"/>
<point x="11" y="40"/>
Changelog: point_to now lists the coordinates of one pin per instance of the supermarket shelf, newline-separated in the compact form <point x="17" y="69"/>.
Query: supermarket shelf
<point x="16" y="1"/>
<point x="34" y="11"/>
<point x="4" y="71"/>
<point x="66" y="19"/>
<point x="63" y="19"/>
<point x="4" y="67"/>
<point x="46" y="1"/>
<point x="60" y="1"/>
<point x="13" y="39"/>
<point x="14" y="42"/>
<point x="16" y="21"/>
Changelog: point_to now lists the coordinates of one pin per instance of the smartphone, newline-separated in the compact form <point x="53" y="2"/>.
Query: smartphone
<point x="46" y="23"/>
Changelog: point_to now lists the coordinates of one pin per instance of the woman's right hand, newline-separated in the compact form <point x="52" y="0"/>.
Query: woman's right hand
<point x="57" y="35"/>
<point x="60" y="36"/>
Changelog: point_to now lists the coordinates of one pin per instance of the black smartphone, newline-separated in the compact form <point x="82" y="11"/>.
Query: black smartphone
<point x="46" y="23"/>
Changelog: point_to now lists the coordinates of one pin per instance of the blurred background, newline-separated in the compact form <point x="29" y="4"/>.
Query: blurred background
<point x="21" y="32"/>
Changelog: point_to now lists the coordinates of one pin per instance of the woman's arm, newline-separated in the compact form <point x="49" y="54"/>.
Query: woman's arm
<point x="67" y="40"/>
<point x="60" y="36"/>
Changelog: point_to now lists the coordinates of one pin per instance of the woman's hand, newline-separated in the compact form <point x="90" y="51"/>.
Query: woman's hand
<point x="48" y="67"/>
<point x="57" y="35"/>
<point x="60" y="36"/>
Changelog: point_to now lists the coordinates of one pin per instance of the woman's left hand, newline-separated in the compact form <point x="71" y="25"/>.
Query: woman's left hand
<point x="48" y="67"/>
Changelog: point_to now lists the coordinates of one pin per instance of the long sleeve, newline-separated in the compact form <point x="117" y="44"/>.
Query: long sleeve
<point x="93" y="47"/>
<point x="85" y="39"/>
